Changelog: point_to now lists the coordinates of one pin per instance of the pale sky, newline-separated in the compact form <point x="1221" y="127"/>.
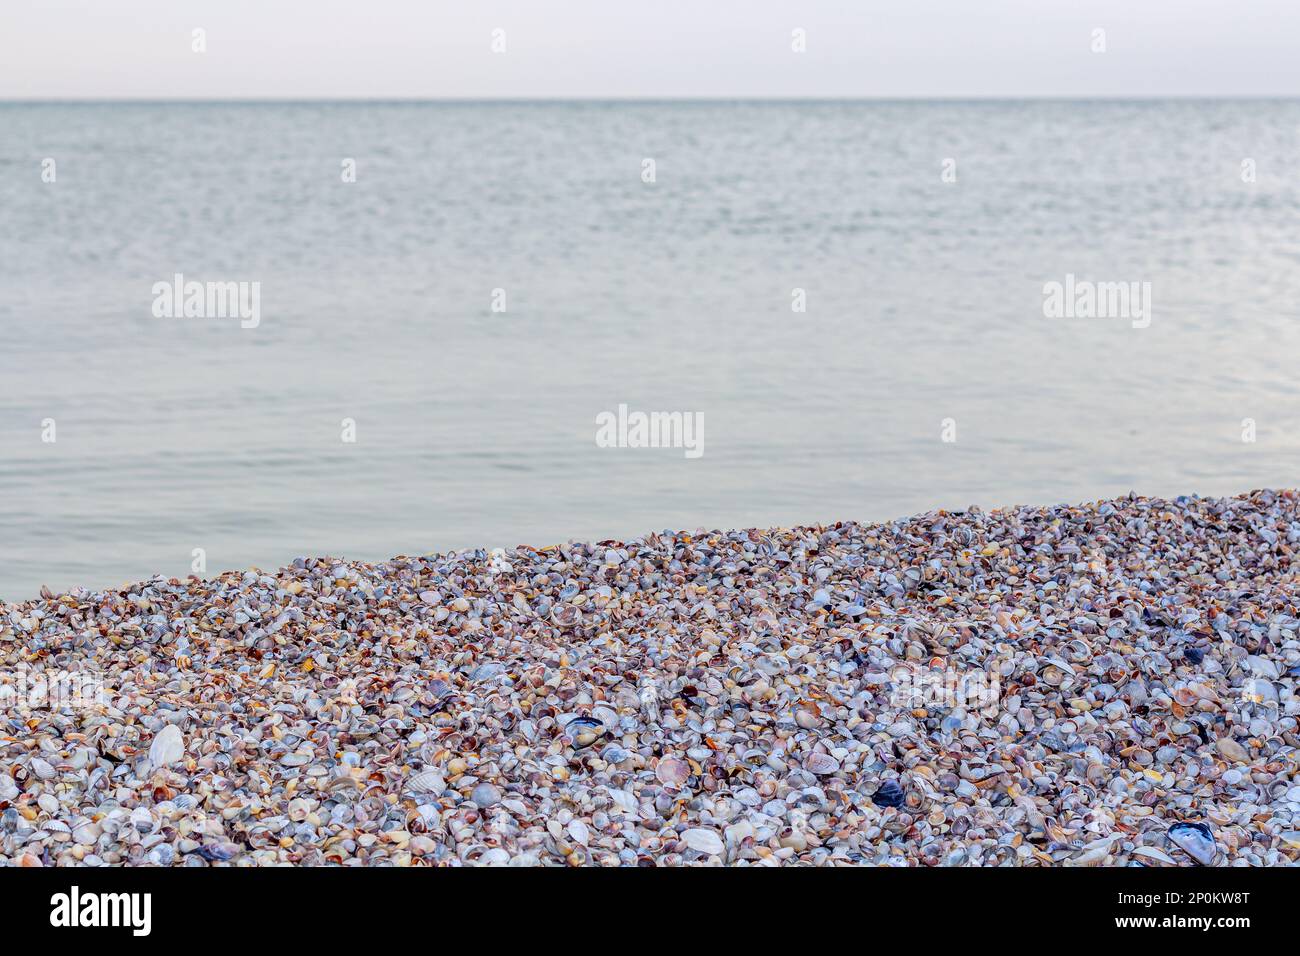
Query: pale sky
<point x="342" y="49"/>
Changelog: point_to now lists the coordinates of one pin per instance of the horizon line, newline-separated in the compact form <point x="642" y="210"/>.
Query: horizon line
<point x="902" y="98"/>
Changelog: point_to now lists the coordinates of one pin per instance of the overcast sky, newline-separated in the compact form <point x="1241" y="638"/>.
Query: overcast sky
<point x="59" y="49"/>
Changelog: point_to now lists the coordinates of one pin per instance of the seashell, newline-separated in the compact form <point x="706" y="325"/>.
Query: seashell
<point x="220" y="851"/>
<point x="566" y="615"/>
<point x="673" y="772"/>
<point x="1232" y="750"/>
<point x="1196" y="840"/>
<point x="888" y="794"/>
<point x="578" y="832"/>
<point x="615" y="754"/>
<point x="704" y="841"/>
<point x="1186" y="696"/>
<point x="142" y="820"/>
<point x="808" y="715"/>
<point x="488" y="671"/>
<point x="793" y="839"/>
<point x="821" y="764"/>
<point x="168" y="746"/>
<point x="427" y="781"/>
<point x="584" y="731"/>
<point x="1151" y="853"/>
<point x="1260" y="691"/>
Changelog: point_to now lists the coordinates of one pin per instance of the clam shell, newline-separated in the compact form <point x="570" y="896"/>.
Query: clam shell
<point x="1196" y="840"/>
<point x="673" y="772"/>
<point x="704" y="841"/>
<point x="168" y="746"/>
<point x="821" y="764"/>
<point x="427" y="781"/>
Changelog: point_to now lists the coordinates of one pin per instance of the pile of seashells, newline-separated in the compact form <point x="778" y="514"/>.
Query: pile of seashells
<point x="1111" y="684"/>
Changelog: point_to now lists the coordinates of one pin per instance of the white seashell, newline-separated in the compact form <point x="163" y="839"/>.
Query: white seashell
<point x="807" y="719"/>
<point x="626" y="801"/>
<point x="142" y="820"/>
<point x="579" y="832"/>
<point x="168" y="747"/>
<point x="703" y="841"/>
<point x="1151" y="853"/>
<point x="1263" y="667"/>
<point x="739" y="831"/>
<point x="821" y="764"/>
<point x="427" y="781"/>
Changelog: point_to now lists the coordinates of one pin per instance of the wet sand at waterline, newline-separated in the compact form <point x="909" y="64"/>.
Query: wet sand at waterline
<point x="1101" y="684"/>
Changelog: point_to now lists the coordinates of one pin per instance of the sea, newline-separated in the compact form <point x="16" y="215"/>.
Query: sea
<point x="861" y="309"/>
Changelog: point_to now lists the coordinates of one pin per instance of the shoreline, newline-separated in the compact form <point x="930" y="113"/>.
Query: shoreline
<point x="1101" y="684"/>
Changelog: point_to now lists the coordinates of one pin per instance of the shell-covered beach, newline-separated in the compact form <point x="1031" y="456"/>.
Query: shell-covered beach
<point x="1101" y="684"/>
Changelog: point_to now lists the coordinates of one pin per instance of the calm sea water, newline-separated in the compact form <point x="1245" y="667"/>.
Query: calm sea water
<point x="474" y="428"/>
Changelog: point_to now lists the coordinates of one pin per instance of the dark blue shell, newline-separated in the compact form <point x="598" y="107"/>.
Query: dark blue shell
<point x="890" y="794"/>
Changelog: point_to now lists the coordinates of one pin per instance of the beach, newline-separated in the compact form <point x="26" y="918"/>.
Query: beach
<point x="1108" y="683"/>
